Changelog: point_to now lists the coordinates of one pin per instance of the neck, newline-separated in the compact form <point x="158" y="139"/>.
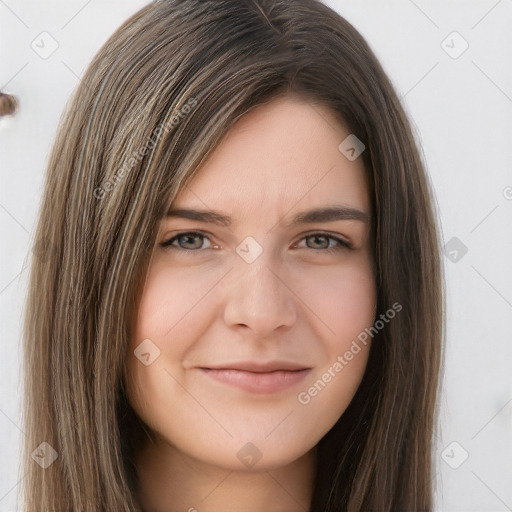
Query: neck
<point x="170" y="481"/>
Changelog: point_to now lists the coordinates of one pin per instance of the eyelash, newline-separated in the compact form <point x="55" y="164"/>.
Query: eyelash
<point x="342" y="244"/>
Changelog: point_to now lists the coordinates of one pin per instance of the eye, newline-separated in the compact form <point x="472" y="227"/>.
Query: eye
<point x="188" y="241"/>
<point x="322" y="242"/>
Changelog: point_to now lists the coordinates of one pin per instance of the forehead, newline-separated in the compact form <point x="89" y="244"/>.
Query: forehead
<point x="281" y="155"/>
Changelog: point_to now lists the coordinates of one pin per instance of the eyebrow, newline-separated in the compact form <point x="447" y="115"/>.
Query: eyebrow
<point x="327" y="214"/>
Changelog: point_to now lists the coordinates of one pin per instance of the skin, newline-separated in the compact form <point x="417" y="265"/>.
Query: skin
<point x="207" y="306"/>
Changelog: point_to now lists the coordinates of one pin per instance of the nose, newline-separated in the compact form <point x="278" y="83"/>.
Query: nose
<point x="260" y="298"/>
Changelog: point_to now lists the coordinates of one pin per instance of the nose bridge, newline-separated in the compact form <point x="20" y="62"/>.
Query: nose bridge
<point x="257" y="295"/>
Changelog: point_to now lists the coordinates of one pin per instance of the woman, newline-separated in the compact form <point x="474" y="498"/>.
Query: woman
<point x="239" y="304"/>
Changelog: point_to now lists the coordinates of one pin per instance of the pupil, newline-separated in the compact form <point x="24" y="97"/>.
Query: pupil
<point x="316" y="238"/>
<point x="190" y="238"/>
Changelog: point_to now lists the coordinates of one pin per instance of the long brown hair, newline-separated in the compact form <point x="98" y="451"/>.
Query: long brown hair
<point x="155" y="101"/>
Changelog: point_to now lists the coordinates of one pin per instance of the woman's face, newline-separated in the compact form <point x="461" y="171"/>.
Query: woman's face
<point x="243" y="354"/>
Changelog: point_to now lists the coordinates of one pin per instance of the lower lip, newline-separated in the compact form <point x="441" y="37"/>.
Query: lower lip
<point x="269" y="382"/>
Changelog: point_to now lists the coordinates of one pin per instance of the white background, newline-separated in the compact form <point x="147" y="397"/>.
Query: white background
<point x="461" y="110"/>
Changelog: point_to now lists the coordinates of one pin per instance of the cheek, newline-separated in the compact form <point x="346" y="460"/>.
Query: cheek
<point x="170" y="308"/>
<point x="173" y="300"/>
<point x="342" y="299"/>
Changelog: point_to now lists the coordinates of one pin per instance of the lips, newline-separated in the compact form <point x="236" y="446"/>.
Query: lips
<point x="269" y="377"/>
<point x="251" y="366"/>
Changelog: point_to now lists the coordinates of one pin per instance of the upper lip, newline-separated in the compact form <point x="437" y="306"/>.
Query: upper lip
<point x="251" y="366"/>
